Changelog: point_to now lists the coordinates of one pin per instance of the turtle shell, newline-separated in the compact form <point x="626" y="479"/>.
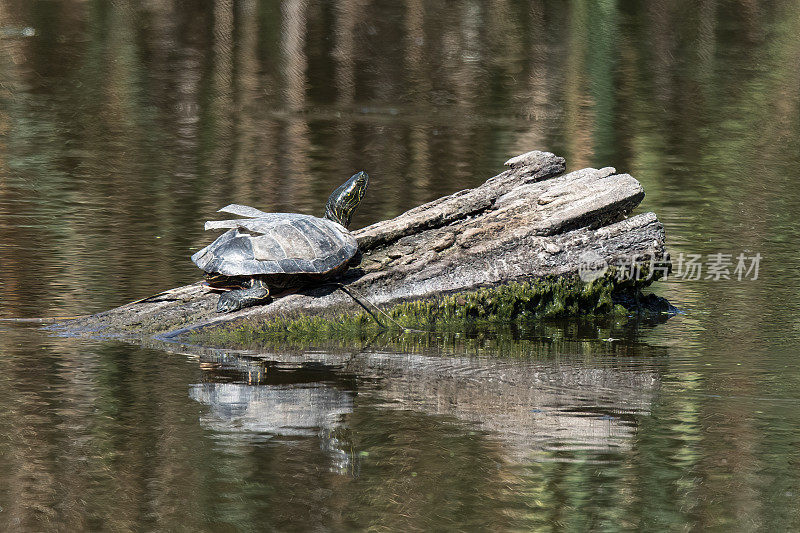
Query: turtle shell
<point x="276" y="243"/>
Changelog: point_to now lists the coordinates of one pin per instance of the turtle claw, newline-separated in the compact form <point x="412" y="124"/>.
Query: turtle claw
<point x="234" y="300"/>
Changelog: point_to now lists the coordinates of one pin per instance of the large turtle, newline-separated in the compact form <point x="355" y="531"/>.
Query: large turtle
<point x="269" y="251"/>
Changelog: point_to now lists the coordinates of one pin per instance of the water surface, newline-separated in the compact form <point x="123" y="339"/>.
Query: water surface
<point x="124" y="126"/>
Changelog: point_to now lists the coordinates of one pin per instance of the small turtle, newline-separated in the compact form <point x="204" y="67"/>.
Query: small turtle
<point x="269" y="251"/>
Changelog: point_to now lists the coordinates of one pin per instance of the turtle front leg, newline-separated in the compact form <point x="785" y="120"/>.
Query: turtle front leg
<point x="234" y="300"/>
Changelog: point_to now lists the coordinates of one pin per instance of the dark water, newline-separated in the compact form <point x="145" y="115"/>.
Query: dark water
<point x="124" y="125"/>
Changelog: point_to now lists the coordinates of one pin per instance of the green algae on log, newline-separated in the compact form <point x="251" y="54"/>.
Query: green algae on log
<point x="513" y="302"/>
<point x="512" y="248"/>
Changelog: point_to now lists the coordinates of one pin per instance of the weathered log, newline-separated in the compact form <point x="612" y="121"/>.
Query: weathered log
<point x="530" y="222"/>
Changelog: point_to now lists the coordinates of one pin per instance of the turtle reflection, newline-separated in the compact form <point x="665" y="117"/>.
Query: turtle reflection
<point x="259" y="411"/>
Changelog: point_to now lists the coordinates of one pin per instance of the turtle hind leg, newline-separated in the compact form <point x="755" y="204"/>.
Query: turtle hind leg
<point x="230" y="301"/>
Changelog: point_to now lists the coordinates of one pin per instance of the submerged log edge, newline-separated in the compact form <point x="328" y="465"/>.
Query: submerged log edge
<point x="530" y="226"/>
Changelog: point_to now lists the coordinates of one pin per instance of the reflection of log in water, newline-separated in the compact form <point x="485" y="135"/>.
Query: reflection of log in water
<point x="529" y="405"/>
<point x="545" y="406"/>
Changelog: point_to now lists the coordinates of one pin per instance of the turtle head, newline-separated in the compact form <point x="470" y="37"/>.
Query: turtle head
<point x="344" y="200"/>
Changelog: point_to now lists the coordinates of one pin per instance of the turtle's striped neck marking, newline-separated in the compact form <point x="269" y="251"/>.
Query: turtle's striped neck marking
<point x="346" y="198"/>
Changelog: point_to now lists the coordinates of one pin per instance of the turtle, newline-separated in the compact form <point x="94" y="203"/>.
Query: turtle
<point x="264" y="253"/>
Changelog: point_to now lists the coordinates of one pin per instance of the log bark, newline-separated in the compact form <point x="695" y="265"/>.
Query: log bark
<point x="530" y="221"/>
